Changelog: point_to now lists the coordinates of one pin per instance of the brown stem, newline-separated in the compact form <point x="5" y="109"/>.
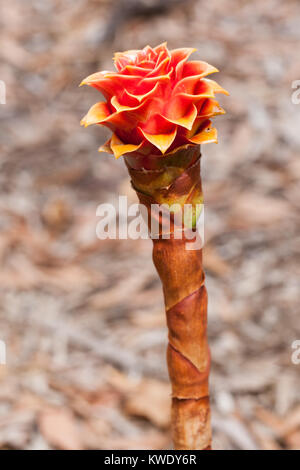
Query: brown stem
<point x="176" y="179"/>
<point x="187" y="354"/>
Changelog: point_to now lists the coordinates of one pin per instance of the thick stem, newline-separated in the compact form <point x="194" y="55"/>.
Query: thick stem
<point x="188" y="357"/>
<point x="176" y="180"/>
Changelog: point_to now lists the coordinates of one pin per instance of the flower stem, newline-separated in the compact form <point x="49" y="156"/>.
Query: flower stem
<point x="176" y="179"/>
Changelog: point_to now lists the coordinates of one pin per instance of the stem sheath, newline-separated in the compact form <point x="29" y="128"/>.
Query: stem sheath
<point x="175" y="179"/>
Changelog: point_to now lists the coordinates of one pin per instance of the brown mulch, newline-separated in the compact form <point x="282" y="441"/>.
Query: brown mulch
<point x="82" y="318"/>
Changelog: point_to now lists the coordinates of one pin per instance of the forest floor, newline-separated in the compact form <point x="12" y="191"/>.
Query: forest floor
<point x="83" y="319"/>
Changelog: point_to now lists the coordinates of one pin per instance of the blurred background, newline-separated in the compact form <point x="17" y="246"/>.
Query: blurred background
<point x="83" y="319"/>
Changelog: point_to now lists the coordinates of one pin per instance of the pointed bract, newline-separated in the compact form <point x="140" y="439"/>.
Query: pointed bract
<point x="155" y="98"/>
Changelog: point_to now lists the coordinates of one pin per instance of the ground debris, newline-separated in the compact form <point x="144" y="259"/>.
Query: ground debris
<point x="83" y="318"/>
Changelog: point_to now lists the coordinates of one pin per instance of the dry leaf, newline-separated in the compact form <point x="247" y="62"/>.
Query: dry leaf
<point x="152" y="440"/>
<point x="251" y="210"/>
<point x="213" y="262"/>
<point x="57" y="215"/>
<point x="151" y="400"/>
<point x="59" y="428"/>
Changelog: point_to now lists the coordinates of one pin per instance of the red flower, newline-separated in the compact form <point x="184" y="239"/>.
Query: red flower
<point x="155" y="102"/>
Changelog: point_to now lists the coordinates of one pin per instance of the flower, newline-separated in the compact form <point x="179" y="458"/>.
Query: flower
<point x="156" y="101"/>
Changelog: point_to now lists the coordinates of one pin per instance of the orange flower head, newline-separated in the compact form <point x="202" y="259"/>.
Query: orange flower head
<point x="156" y="101"/>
